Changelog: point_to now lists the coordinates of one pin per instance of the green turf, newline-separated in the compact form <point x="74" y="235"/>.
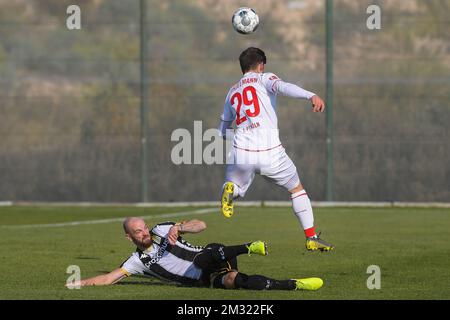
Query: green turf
<point x="411" y="246"/>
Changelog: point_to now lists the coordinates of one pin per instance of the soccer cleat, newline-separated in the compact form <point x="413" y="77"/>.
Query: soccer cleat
<point x="258" y="247"/>
<point x="308" y="284"/>
<point x="313" y="244"/>
<point x="227" y="199"/>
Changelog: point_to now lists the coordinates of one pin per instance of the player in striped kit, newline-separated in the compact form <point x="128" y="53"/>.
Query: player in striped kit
<point x="161" y="252"/>
<point x="251" y="104"/>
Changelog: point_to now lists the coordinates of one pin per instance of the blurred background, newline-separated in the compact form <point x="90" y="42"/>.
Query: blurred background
<point x="70" y="100"/>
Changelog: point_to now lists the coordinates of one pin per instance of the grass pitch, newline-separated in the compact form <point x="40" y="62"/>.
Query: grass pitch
<point x="411" y="246"/>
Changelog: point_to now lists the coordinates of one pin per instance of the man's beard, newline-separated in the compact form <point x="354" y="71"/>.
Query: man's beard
<point x="146" y="242"/>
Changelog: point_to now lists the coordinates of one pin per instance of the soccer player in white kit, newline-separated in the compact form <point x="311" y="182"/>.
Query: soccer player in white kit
<point x="251" y="103"/>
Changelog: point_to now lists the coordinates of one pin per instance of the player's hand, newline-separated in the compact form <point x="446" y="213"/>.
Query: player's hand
<point x="74" y="285"/>
<point x="173" y="235"/>
<point x="317" y="104"/>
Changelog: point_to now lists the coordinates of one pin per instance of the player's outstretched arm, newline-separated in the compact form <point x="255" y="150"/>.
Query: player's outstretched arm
<point x="191" y="226"/>
<point x="294" y="91"/>
<point x="101" y="280"/>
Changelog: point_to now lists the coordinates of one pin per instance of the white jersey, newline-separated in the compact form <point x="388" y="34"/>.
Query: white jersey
<point x="165" y="261"/>
<point x="252" y="104"/>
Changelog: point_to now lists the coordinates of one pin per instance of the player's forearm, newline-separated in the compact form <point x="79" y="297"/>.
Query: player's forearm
<point x="293" y="91"/>
<point x="101" y="280"/>
<point x="191" y="226"/>
<point x="104" y="279"/>
<point x="224" y="127"/>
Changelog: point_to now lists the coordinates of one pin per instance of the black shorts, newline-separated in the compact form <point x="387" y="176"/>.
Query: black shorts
<point x="214" y="271"/>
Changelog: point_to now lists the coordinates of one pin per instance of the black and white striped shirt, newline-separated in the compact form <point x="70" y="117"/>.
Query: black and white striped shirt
<point x="165" y="261"/>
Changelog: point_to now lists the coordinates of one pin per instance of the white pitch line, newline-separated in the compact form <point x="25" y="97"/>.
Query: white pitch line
<point x="102" y="221"/>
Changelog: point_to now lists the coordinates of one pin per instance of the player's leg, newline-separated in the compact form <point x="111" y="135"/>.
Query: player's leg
<point x="230" y="191"/>
<point x="301" y="205"/>
<point x="259" y="282"/>
<point x="227" y="276"/>
<point x="216" y="255"/>
<point x="237" y="280"/>
<point x="228" y="279"/>
<point x="239" y="176"/>
<point x="283" y="172"/>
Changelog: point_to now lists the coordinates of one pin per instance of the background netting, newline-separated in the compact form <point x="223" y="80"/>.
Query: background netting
<point x="70" y="100"/>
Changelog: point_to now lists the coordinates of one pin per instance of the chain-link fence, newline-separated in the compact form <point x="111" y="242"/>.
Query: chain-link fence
<point x="70" y="99"/>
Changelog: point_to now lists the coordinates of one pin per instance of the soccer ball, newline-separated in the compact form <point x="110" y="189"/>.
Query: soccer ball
<point x="245" y="20"/>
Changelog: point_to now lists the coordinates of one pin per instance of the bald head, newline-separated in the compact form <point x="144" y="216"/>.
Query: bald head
<point x="130" y="222"/>
<point x="137" y="231"/>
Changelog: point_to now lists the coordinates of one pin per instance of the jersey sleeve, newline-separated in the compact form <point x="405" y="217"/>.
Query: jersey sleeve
<point x="269" y="80"/>
<point x="293" y="91"/>
<point x="227" y="117"/>
<point x="275" y="85"/>
<point x="228" y="114"/>
<point x="162" y="229"/>
<point x="132" y="266"/>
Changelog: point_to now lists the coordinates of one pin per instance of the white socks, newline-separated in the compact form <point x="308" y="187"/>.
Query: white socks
<point x="303" y="210"/>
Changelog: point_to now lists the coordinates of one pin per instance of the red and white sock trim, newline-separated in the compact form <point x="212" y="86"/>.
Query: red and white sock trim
<point x="310" y="232"/>
<point x="298" y="194"/>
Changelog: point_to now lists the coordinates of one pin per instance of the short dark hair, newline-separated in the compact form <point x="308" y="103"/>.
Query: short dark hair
<point x="250" y="58"/>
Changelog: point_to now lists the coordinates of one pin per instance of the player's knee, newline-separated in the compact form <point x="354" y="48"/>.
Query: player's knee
<point x="296" y="189"/>
<point x="240" y="279"/>
<point x="228" y="279"/>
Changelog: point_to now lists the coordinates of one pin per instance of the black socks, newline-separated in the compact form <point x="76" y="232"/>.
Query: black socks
<point x="233" y="251"/>
<point x="258" y="282"/>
